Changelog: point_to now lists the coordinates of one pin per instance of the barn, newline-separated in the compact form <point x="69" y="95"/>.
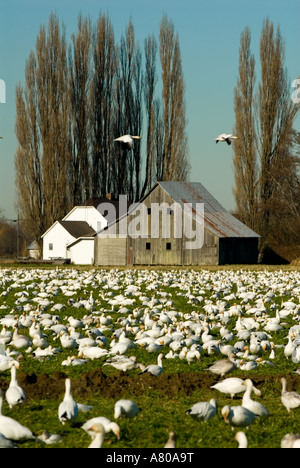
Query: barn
<point x="176" y="223"/>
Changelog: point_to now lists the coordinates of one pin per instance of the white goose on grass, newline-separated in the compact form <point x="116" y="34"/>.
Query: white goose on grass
<point x="233" y="386"/>
<point x="49" y="438"/>
<point x="204" y="410"/>
<point x="68" y="408"/>
<point x="6" y="362"/>
<point x="171" y="442"/>
<point x="290" y="441"/>
<point x="290" y="400"/>
<point x="155" y="369"/>
<point x="124" y="363"/>
<point x="20" y="341"/>
<point x="105" y="422"/>
<point x="255" y="406"/>
<point x="6" y="443"/>
<point x="12" y="429"/>
<point x="99" y="437"/>
<point x="127" y="408"/>
<point x="14" y="394"/>
<point x="242" y="440"/>
<point x="223" y="366"/>
<point x="237" y="416"/>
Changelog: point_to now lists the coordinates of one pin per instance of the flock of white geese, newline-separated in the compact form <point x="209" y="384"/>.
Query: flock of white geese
<point x="232" y="316"/>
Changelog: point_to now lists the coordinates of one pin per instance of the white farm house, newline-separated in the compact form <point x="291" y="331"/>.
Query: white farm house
<point x="73" y="237"/>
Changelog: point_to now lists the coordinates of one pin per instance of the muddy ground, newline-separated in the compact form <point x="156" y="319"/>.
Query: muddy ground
<point x="120" y="384"/>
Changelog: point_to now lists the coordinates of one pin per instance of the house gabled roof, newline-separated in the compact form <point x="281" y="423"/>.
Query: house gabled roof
<point x="78" y="228"/>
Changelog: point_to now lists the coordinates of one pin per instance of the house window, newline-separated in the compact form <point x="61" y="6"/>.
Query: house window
<point x="50" y="246"/>
<point x="169" y="211"/>
<point x="149" y="211"/>
<point x="168" y="245"/>
<point x="148" y="245"/>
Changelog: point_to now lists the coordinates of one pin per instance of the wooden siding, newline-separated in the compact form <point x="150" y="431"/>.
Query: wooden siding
<point x="111" y="251"/>
<point x="169" y="250"/>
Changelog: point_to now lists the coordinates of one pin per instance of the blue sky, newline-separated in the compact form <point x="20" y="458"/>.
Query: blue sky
<point x="209" y="33"/>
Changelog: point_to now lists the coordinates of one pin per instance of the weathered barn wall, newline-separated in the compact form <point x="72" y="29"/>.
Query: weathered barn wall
<point x="111" y="251"/>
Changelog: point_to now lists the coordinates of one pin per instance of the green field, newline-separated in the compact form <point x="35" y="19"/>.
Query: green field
<point x="163" y="400"/>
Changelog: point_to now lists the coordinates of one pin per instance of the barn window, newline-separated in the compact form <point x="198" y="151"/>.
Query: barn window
<point x="168" y="245"/>
<point x="148" y="245"/>
<point x="50" y="246"/>
<point x="149" y="211"/>
<point x="169" y="211"/>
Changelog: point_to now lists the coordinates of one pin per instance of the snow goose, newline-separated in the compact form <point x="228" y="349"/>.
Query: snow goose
<point x="6" y="362"/>
<point x="6" y="443"/>
<point x="255" y="406"/>
<point x="171" y="442"/>
<point x="14" y="394"/>
<point x="242" y="440"/>
<point x="106" y="423"/>
<point x="193" y="355"/>
<point x="222" y="367"/>
<point x="68" y="408"/>
<point x="127" y="141"/>
<point x="296" y="355"/>
<point x="20" y="341"/>
<point x="124" y="363"/>
<point x="49" y="438"/>
<point x="155" y="369"/>
<point x="12" y="429"/>
<point x="99" y="437"/>
<point x="290" y="441"/>
<point x="67" y="341"/>
<point x="290" y="400"/>
<point x="127" y="408"/>
<point x="228" y="137"/>
<point x="5" y="335"/>
<point x="204" y="410"/>
<point x="93" y="352"/>
<point x="232" y="386"/>
<point x="237" y="416"/>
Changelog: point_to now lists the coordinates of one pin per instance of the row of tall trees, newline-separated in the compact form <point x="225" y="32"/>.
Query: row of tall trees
<point x="266" y="163"/>
<point x="79" y="96"/>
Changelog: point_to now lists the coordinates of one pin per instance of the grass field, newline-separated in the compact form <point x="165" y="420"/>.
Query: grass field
<point x="163" y="400"/>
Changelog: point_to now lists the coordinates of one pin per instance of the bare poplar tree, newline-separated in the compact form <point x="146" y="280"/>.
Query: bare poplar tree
<point x="176" y="165"/>
<point x="80" y="69"/>
<point x="53" y="113"/>
<point x="129" y="113"/>
<point x="43" y="154"/>
<point x="265" y="162"/>
<point x="103" y="109"/>
<point x="150" y="47"/>
<point x="28" y="168"/>
<point x="245" y="156"/>
<point x="275" y="114"/>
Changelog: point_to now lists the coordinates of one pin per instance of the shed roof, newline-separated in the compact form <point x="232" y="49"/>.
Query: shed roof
<point x="217" y="219"/>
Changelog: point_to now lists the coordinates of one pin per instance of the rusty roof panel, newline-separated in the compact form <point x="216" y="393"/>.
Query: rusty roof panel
<point x="217" y="219"/>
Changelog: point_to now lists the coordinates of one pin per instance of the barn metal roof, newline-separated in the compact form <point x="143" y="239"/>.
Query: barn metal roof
<point x="216" y="218"/>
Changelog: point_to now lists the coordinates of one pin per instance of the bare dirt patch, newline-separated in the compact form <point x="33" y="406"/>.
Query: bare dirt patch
<point x="120" y="384"/>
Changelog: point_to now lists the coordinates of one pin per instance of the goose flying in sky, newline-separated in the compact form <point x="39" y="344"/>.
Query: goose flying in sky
<point x="127" y="140"/>
<point x="226" y="137"/>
